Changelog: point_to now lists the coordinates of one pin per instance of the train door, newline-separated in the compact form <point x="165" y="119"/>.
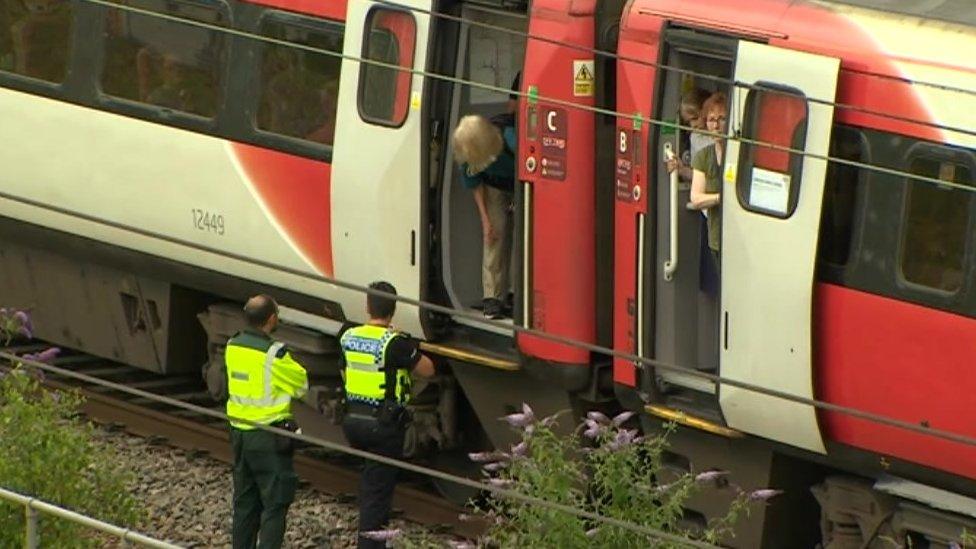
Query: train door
<point x="491" y="47"/>
<point x="679" y="271"/>
<point x="377" y="205"/>
<point x="771" y="204"/>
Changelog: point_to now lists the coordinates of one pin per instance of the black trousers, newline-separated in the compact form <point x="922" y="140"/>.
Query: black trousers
<point x="264" y="487"/>
<point x="378" y="480"/>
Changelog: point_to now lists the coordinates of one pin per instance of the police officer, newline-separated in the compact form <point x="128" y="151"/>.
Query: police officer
<point x="262" y="380"/>
<point x="378" y="364"/>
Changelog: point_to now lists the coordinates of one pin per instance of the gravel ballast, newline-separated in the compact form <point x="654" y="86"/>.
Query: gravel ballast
<point x="188" y="499"/>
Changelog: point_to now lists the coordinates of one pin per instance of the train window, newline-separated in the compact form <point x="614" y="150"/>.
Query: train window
<point x="384" y="92"/>
<point x="35" y="37"/>
<point x="936" y="224"/>
<point x="165" y="63"/>
<point x="299" y="87"/>
<point x="769" y="177"/>
<point x="841" y="194"/>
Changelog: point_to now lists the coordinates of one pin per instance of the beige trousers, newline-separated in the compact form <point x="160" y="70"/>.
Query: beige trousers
<point x="496" y="261"/>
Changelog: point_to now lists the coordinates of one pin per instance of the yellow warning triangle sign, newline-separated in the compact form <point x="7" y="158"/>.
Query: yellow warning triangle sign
<point x="584" y="74"/>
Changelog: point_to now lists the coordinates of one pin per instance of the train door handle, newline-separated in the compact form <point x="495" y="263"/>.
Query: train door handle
<point x="671" y="264"/>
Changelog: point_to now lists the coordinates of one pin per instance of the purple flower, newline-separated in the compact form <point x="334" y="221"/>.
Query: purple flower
<point x="494" y="467"/>
<point x="593" y="429"/>
<point x="954" y="545"/>
<point x="23" y="319"/>
<point x="484" y="457"/>
<point x="45" y="356"/>
<point x="25" y="332"/>
<point x="520" y="421"/>
<point x="500" y="482"/>
<point x="710" y="476"/>
<point x="624" y="438"/>
<point x="521" y="449"/>
<point x="527" y="410"/>
<point x="764" y="494"/>
<point x="622" y="418"/>
<point x="382" y="535"/>
<point x="598" y="417"/>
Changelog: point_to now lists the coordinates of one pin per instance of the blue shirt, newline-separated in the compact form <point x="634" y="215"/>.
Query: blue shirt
<point x="503" y="168"/>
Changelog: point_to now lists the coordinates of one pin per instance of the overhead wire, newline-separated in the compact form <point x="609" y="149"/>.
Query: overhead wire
<point x="640" y="362"/>
<point x="697" y="74"/>
<point x="506" y="493"/>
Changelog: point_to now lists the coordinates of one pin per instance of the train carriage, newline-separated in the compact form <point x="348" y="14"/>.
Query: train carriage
<point x="164" y="160"/>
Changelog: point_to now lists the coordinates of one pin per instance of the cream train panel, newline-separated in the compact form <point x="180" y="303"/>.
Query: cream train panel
<point x="144" y="175"/>
<point x="908" y="41"/>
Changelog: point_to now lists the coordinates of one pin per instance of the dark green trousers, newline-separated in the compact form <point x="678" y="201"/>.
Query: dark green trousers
<point x="264" y="487"/>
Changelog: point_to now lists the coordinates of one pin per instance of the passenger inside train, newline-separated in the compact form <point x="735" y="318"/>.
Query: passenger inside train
<point x="706" y="183"/>
<point x="492" y="57"/>
<point x="696" y="283"/>
<point x="485" y="149"/>
<point x="37" y="40"/>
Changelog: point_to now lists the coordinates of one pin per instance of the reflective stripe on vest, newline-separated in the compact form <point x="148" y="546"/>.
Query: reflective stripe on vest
<point x="364" y="348"/>
<point x="252" y="398"/>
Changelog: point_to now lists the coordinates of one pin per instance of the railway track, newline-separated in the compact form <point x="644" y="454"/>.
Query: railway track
<point x="323" y="470"/>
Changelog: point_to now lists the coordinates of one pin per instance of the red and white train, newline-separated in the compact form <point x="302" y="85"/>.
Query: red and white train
<point x="156" y="173"/>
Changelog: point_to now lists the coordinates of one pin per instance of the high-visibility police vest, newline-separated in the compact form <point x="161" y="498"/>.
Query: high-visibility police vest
<point x="262" y="379"/>
<point x="364" y="348"/>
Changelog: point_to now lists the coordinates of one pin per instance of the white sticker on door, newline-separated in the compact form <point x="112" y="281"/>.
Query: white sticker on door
<point x="769" y="190"/>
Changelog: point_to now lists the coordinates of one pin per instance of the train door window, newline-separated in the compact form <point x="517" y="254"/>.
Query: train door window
<point x="165" y="63"/>
<point x="937" y="221"/>
<point x="775" y="119"/>
<point x="841" y="194"/>
<point x="299" y="87"/>
<point x="384" y="92"/>
<point x="35" y="37"/>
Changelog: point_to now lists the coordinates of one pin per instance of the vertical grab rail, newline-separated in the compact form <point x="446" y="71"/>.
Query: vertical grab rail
<point x="671" y="264"/>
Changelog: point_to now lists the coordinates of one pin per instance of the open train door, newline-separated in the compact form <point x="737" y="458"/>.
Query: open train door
<point x="771" y="201"/>
<point x="376" y="205"/>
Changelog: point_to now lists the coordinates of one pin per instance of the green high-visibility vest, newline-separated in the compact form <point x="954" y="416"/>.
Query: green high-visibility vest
<point x="262" y="379"/>
<point x="364" y="348"/>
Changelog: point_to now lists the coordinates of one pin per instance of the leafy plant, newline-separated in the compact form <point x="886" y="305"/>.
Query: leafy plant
<point x="604" y="468"/>
<point x="48" y="452"/>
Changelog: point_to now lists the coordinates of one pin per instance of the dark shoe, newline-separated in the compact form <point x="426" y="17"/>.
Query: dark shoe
<point x="493" y="309"/>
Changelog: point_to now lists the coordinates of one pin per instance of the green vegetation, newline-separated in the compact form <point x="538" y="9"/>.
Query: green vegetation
<point x="604" y="468"/>
<point x="47" y="451"/>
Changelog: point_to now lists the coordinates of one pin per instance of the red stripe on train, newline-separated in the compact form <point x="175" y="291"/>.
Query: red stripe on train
<point x="332" y="9"/>
<point x="898" y="360"/>
<point x="297" y="191"/>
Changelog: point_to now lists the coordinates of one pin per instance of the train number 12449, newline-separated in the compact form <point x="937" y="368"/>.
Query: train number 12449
<point x="208" y="221"/>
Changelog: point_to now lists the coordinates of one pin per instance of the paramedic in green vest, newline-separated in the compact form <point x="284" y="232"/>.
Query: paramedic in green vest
<point x="262" y="380"/>
<point x="378" y="364"/>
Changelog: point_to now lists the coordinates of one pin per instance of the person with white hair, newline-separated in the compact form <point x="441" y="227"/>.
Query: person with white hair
<point x="485" y="149"/>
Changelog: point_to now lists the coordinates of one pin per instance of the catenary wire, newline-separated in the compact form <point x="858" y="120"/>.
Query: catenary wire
<point x="561" y="102"/>
<point x="404" y="465"/>
<point x="640" y="362"/>
<point x="719" y="79"/>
